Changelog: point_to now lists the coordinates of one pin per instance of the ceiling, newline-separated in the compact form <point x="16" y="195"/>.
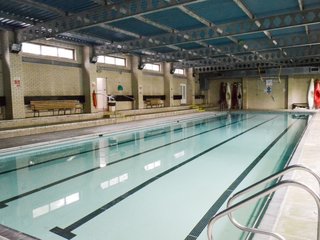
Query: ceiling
<point x="207" y="35"/>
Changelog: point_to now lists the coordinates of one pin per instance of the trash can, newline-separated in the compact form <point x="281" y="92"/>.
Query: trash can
<point x="112" y="106"/>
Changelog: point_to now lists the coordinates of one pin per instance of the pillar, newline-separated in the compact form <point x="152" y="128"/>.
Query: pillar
<point x="190" y="87"/>
<point x="290" y="91"/>
<point x="12" y="78"/>
<point x="245" y="93"/>
<point x="89" y="77"/>
<point x="137" y="83"/>
<point x="168" y="88"/>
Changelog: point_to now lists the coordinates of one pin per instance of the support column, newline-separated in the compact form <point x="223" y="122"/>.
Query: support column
<point x="289" y="95"/>
<point x="168" y="88"/>
<point x="12" y="78"/>
<point x="245" y="93"/>
<point x="190" y="87"/>
<point x="137" y="83"/>
<point x="89" y="77"/>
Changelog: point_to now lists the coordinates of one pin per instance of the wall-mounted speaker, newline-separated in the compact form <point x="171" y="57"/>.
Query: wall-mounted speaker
<point x="141" y="64"/>
<point x="94" y="59"/>
<point x="16" y="47"/>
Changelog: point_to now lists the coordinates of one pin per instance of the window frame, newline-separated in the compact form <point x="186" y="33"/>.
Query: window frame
<point x="111" y="60"/>
<point x="44" y="46"/>
<point x="152" y="67"/>
<point x="177" y="71"/>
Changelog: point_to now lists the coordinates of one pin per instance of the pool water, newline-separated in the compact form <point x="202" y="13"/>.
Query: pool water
<point x="160" y="183"/>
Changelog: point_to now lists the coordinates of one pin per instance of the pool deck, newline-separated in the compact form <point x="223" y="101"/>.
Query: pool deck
<point x="24" y="141"/>
<point x="292" y="213"/>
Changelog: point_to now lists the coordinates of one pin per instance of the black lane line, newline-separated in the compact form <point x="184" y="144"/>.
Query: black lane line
<point x="67" y="232"/>
<point x="196" y="231"/>
<point x="3" y="203"/>
<point x="110" y="145"/>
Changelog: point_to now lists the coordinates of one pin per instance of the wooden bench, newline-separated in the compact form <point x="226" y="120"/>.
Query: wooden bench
<point x="157" y="102"/>
<point x="53" y="105"/>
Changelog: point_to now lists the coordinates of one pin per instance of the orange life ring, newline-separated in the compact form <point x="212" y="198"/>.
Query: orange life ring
<point x="317" y="94"/>
<point x="94" y="98"/>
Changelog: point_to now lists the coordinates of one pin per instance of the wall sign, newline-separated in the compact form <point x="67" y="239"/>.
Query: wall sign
<point x="17" y="82"/>
<point x="120" y="88"/>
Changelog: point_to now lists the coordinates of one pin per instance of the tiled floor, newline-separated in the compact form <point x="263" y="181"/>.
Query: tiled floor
<point x="298" y="218"/>
<point x="293" y="213"/>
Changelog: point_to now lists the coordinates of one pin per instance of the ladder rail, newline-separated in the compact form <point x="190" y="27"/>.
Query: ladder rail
<point x="261" y="194"/>
<point x="266" y="180"/>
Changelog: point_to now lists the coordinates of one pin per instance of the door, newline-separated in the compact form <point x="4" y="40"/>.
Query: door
<point x="183" y="89"/>
<point x="101" y="93"/>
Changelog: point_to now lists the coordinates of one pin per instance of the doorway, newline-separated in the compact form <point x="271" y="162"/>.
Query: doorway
<point x="183" y="89"/>
<point x="101" y="93"/>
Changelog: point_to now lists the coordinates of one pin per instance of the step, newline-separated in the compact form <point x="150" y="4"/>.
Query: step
<point x="85" y="124"/>
<point x="41" y="121"/>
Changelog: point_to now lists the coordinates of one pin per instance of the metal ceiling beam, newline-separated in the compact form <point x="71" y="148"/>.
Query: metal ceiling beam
<point x="208" y="24"/>
<point x="101" y="2"/>
<point x="275" y="57"/>
<point x="268" y="72"/>
<point x="17" y="18"/>
<point x="95" y="16"/>
<point x="301" y="7"/>
<point x="71" y="39"/>
<point x="158" y="25"/>
<point x="86" y="38"/>
<point x="244" y="27"/>
<point x="246" y="10"/>
<point x="155" y="24"/>
<point x="311" y="62"/>
<point x="297" y="40"/>
<point x="119" y="30"/>
<point x="300" y="2"/>
<point x="41" y="6"/>
<point x="204" y="22"/>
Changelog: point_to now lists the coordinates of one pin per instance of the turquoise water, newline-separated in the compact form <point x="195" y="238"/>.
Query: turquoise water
<point x="161" y="183"/>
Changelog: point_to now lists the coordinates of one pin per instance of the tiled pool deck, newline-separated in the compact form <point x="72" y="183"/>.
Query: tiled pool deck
<point x="293" y="212"/>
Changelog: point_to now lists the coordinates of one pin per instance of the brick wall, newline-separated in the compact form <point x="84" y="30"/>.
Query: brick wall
<point x="51" y="80"/>
<point x="153" y="84"/>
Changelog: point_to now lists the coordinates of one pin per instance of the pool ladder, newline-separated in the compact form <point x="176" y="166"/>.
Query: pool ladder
<point x="265" y="192"/>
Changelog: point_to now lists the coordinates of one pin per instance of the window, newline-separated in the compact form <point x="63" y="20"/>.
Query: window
<point x="65" y="53"/>
<point x="31" y="48"/>
<point x="49" y="51"/>
<point x="179" y="71"/>
<point x="152" y="67"/>
<point x="45" y="50"/>
<point x="112" y="60"/>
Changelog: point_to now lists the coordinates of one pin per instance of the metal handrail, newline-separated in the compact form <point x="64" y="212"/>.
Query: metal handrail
<point x="261" y="194"/>
<point x="266" y="180"/>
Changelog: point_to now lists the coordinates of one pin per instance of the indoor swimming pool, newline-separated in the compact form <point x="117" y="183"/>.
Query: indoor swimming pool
<point x="159" y="183"/>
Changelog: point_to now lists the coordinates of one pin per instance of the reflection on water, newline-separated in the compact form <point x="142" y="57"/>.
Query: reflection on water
<point x="99" y="171"/>
<point x="37" y="212"/>
<point x="152" y="165"/>
<point x="114" y="181"/>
